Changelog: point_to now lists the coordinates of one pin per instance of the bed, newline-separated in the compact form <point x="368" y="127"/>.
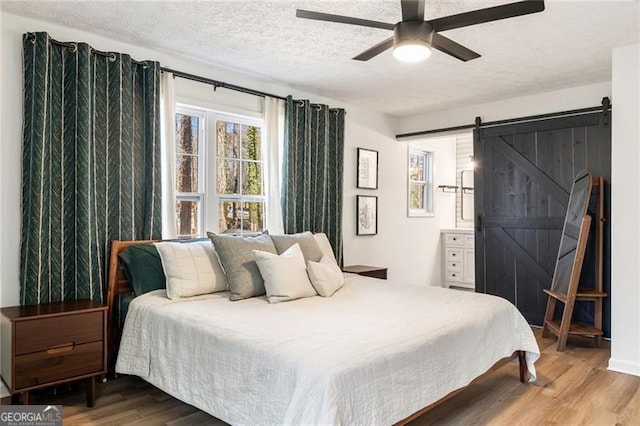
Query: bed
<point x="376" y="352"/>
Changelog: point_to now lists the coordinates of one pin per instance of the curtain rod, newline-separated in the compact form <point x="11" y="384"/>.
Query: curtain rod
<point x="217" y="83"/>
<point x="606" y="106"/>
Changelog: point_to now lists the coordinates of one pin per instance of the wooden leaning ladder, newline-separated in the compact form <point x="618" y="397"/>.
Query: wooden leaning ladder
<point x="565" y="326"/>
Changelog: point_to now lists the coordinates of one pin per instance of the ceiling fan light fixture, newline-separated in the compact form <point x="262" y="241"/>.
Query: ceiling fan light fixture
<point x="412" y="51"/>
<point x="412" y="41"/>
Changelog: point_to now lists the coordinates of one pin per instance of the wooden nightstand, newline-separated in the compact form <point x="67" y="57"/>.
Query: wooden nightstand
<point x="368" y="271"/>
<point x="53" y="343"/>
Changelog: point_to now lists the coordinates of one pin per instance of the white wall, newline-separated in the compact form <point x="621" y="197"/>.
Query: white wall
<point x="410" y="247"/>
<point x="542" y="103"/>
<point x="625" y="211"/>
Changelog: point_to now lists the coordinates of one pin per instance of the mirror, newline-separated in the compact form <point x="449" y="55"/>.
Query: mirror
<point x="576" y="210"/>
<point x="466" y="195"/>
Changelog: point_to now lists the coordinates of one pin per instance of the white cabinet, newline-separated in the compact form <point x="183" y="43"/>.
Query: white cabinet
<point x="459" y="258"/>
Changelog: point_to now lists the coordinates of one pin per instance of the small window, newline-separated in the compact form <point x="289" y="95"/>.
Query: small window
<point x="189" y="172"/>
<point x="420" y="191"/>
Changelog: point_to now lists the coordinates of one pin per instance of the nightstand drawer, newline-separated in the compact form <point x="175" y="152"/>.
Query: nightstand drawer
<point x="45" y="333"/>
<point x="58" y="364"/>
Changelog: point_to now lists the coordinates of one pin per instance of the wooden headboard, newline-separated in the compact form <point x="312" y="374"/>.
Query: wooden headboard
<point x="117" y="284"/>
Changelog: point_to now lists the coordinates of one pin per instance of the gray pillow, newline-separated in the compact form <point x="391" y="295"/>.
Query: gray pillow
<point x="236" y="256"/>
<point x="308" y="244"/>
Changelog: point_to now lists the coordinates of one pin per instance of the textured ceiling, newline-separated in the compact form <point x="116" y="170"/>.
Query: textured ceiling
<point x="569" y="44"/>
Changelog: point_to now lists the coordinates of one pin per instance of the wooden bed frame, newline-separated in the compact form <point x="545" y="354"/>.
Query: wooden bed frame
<point x="118" y="284"/>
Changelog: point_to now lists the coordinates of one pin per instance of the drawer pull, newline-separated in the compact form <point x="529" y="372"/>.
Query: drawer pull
<point x="68" y="347"/>
<point x="453" y="254"/>
<point x="454" y="265"/>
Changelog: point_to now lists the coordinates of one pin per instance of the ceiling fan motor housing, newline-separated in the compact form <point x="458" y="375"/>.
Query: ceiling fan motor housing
<point x="409" y="31"/>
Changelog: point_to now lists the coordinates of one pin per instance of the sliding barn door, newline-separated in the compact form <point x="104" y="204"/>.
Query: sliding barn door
<point x="523" y="177"/>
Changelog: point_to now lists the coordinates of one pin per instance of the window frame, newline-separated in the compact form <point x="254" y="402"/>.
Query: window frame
<point x="208" y="196"/>
<point x="213" y="159"/>
<point x="200" y="195"/>
<point x="428" y="208"/>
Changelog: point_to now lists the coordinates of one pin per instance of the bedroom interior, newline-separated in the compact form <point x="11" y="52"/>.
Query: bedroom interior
<point x="452" y="172"/>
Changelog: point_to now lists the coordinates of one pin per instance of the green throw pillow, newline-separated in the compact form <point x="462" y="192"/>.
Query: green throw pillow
<point x="143" y="268"/>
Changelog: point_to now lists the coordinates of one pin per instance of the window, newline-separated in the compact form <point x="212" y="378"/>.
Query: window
<point x="189" y="172"/>
<point x="240" y="187"/>
<point x="420" y="199"/>
<point x="219" y="173"/>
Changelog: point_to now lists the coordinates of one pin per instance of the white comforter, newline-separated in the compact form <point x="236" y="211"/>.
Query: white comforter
<point x="374" y="353"/>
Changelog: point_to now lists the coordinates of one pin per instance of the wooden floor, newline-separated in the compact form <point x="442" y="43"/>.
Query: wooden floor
<point x="573" y="388"/>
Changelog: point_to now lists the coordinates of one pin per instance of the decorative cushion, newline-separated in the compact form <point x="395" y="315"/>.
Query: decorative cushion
<point x="325" y="246"/>
<point x="143" y="268"/>
<point x="326" y="277"/>
<point x="308" y="245"/>
<point x="191" y="269"/>
<point x="285" y="276"/>
<point x="236" y="255"/>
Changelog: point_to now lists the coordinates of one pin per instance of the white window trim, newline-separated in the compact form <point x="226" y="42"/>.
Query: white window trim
<point x="428" y="196"/>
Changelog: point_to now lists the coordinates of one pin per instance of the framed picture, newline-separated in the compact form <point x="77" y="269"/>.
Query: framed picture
<point x="367" y="169"/>
<point x="367" y="212"/>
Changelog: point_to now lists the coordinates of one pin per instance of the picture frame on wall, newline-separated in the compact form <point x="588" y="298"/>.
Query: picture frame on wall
<point x="367" y="215"/>
<point x="367" y="169"/>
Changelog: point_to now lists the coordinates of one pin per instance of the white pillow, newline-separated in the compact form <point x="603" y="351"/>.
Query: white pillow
<point x="191" y="268"/>
<point x="325" y="246"/>
<point x="326" y="276"/>
<point x="285" y="276"/>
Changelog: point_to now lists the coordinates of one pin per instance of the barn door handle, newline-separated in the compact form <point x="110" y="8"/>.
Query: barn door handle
<point x="479" y="223"/>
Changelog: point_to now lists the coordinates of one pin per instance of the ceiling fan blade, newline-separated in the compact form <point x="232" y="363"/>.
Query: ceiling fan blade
<point x="319" y="16"/>
<point x="487" y="15"/>
<point x="412" y="10"/>
<point x="452" y="48"/>
<point x="375" y="50"/>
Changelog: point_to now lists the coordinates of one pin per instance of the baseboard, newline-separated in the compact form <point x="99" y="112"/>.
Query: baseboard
<point x="624" y="367"/>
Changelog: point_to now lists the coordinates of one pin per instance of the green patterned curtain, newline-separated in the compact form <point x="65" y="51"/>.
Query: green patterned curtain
<point x="91" y="165"/>
<point x="312" y="170"/>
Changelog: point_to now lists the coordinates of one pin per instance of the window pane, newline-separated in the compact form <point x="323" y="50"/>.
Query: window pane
<point x="251" y="178"/>
<point x="228" y="135"/>
<point x="417" y="167"/>
<point x="253" y="217"/>
<point x="229" y="176"/>
<point x="416" y="196"/>
<point x="186" y="173"/>
<point x="187" y="128"/>
<point x="239" y="217"/>
<point x="187" y="217"/>
<point x="251" y="143"/>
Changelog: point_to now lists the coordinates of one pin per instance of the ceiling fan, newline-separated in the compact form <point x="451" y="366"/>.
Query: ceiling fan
<point x="413" y="37"/>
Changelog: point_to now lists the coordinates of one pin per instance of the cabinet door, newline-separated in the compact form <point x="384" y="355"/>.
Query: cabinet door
<point x="469" y="266"/>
